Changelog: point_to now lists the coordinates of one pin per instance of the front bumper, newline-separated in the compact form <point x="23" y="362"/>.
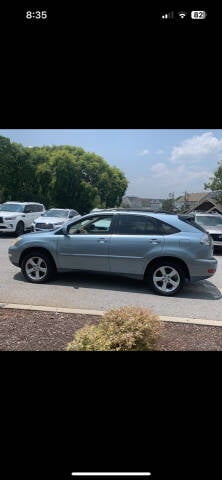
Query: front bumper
<point x="217" y="244"/>
<point x="13" y="255"/>
<point x="7" y="228"/>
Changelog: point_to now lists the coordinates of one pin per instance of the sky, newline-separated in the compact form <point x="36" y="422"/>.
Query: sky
<point x="155" y="162"/>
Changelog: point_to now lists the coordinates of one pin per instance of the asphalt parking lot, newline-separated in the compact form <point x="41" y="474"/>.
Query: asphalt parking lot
<point x="87" y="291"/>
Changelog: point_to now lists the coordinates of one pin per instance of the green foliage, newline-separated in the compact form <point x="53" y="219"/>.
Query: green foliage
<point x="215" y="181"/>
<point x="127" y="328"/>
<point x="61" y="176"/>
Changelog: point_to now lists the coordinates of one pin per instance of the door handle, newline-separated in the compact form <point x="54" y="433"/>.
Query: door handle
<point x="102" y="240"/>
<point x="154" y="241"/>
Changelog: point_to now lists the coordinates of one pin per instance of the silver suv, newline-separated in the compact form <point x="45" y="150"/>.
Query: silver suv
<point x="162" y="249"/>
<point x="212" y="223"/>
<point x="53" y="218"/>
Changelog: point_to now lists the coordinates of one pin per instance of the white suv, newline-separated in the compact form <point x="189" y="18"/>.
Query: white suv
<point x="18" y="216"/>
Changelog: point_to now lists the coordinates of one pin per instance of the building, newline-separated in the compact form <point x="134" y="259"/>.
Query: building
<point x="139" y="202"/>
<point x="189" y="200"/>
<point x="204" y="202"/>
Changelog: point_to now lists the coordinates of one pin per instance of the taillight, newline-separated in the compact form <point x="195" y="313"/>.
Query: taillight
<point x="206" y="240"/>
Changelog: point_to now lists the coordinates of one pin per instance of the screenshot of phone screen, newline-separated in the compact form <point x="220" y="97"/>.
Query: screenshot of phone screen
<point x="110" y="240"/>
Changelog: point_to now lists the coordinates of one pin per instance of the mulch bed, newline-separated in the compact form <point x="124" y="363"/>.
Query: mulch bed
<point x="25" y="330"/>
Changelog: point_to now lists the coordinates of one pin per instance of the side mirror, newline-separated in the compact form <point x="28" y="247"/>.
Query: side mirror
<point x="64" y="230"/>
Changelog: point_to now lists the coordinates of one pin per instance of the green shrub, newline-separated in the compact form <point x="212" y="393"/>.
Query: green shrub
<point x="127" y="328"/>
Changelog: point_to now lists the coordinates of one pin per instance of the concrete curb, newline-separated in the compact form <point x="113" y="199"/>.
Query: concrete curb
<point x="51" y="309"/>
<point x="197" y="321"/>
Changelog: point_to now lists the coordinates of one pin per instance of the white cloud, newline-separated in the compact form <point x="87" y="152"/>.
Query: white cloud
<point x="159" y="151"/>
<point x="163" y="179"/>
<point x="159" y="169"/>
<point x="189" y="165"/>
<point x="144" y="152"/>
<point x="197" y="148"/>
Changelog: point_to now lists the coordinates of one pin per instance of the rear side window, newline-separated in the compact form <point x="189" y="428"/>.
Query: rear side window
<point x="137" y="225"/>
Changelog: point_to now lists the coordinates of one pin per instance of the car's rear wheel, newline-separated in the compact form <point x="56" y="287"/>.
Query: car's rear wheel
<point x="19" y="228"/>
<point x="37" y="267"/>
<point x="166" y="278"/>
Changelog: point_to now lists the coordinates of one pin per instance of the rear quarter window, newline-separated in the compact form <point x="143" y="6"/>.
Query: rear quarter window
<point x="191" y="221"/>
<point x="167" y="229"/>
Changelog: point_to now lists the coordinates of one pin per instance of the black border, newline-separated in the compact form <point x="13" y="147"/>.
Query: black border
<point x="155" y="412"/>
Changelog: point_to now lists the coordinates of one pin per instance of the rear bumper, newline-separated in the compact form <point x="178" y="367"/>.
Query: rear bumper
<point x="203" y="268"/>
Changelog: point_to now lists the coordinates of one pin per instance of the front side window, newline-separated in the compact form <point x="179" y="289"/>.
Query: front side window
<point x="73" y="213"/>
<point x="137" y="225"/>
<point x="37" y="208"/>
<point x="28" y="209"/>
<point x="91" y="226"/>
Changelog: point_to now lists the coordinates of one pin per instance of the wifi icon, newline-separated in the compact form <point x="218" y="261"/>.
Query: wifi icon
<point x="182" y="14"/>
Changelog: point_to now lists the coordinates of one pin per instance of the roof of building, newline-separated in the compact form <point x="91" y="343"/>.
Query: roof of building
<point x="192" y="197"/>
<point x="208" y="205"/>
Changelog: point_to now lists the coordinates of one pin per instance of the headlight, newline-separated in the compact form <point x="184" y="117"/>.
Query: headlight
<point x="10" y="218"/>
<point x="56" y="224"/>
<point x="16" y="240"/>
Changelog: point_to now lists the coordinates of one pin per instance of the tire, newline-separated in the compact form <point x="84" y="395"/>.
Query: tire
<point x="166" y="278"/>
<point x="37" y="267"/>
<point x="19" y="228"/>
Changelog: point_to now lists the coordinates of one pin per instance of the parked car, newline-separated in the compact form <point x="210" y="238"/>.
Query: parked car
<point x="53" y="218"/>
<point x="212" y="223"/>
<point x="18" y="216"/>
<point x="162" y="249"/>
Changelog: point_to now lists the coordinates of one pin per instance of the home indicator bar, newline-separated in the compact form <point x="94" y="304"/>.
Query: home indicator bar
<point x="111" y="474"/>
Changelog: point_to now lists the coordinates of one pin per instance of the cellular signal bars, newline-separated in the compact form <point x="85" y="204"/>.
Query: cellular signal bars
<point x="169" y="15"/>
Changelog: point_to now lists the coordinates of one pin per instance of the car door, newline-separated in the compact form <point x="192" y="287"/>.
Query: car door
<point x="136" y="239"/>
<point x="86" y="245"/>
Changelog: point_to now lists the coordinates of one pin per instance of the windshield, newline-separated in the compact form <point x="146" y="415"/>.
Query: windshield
<point x="56" y="213"/>
<point x="209" y="220"/>
<point x="11" y="207"/>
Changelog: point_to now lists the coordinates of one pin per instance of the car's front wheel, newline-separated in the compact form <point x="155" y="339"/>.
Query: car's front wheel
<point x="37" y="267"/>
<point x="20" y="228"/>
<point x="166" y="278"/>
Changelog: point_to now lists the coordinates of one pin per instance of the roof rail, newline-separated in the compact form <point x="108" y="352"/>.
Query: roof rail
<point x="122" y="209"/>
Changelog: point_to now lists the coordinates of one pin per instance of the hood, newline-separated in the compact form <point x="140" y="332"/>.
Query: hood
<point x="10" y="214"/>
<point x="211" y="229"/>
<point x="50" y="220"/>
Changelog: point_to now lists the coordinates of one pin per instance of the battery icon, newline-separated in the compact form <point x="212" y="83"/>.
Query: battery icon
<point x="198" y="14"/>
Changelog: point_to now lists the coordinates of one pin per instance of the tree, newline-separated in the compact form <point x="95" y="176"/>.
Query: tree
<point x="169" y="204"/>
<point x="59" y="176"/>
<point x="15" y="171"/>
<point x="215" y="183"/>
